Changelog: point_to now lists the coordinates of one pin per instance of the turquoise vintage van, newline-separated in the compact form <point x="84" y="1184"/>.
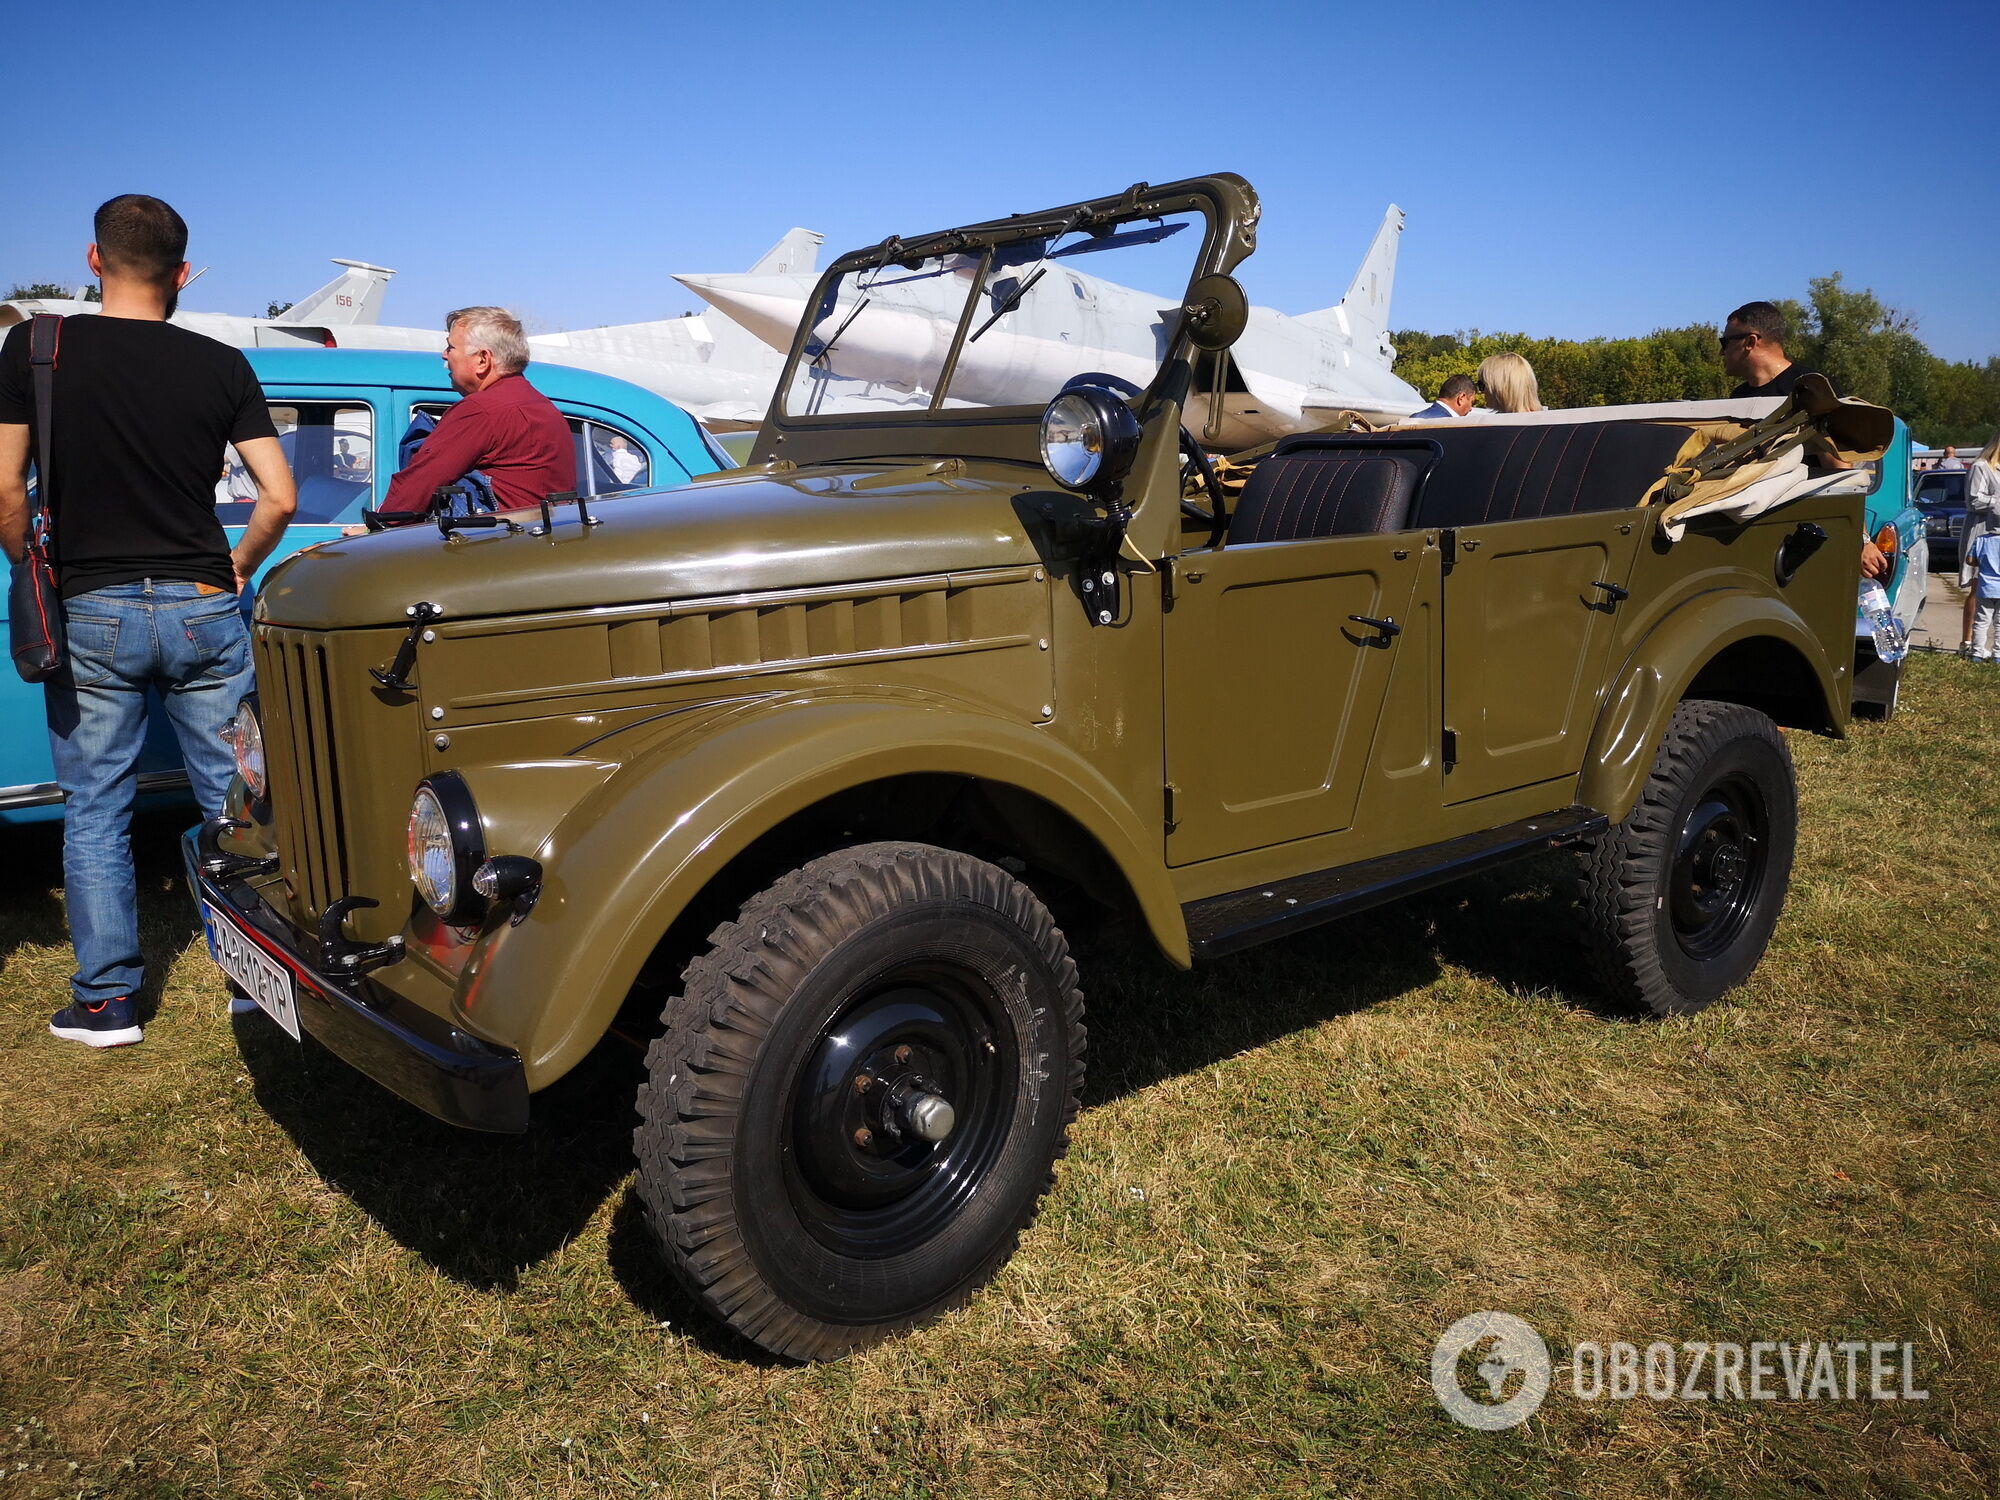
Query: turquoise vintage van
<point x="340" y="415"/>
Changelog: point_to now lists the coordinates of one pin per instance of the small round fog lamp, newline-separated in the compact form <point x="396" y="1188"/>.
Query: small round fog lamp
<point x="1089" y="438"/>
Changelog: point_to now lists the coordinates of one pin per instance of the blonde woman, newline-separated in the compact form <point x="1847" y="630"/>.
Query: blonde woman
<point x="1507" y="381"/>
<point x="1982" y="514"/>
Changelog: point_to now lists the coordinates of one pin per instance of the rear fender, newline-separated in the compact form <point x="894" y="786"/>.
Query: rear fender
<point x="1800" y="691"/>
<point x="625" y="861"/>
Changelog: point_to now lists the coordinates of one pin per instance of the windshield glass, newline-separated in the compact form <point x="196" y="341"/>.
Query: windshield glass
<point x="1036" y="315"/>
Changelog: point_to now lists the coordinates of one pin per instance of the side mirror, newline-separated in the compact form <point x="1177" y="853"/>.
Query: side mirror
<point x="1217" y="311"/>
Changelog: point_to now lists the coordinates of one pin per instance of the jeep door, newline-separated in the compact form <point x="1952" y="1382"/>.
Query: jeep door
<point x="1273" y="689"/>
<point x="1529" y="613"/>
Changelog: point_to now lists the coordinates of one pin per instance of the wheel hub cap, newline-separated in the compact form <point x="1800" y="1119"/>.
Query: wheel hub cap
<point x="897" y="1115"/>
<point x="1717" y="870"/>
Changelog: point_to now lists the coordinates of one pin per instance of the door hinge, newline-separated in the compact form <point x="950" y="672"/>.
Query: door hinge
<point x="1450" y="748"/>
<point x="1167" y="567"/>
<point x="1173" y="806"/>
<point x="1448" y="546"/>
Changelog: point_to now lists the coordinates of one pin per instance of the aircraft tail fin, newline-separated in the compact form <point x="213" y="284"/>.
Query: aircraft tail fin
<point x="797" y="254"/>
<point x="354" y="296"/>
<point x="1363" y="314"/>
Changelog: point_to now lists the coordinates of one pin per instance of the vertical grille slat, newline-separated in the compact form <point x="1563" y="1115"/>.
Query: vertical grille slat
<point x="280" y="730"/>
<point x="336" y="847"/>
<point x="302" y="764"/>
<point x="305" y="780"/>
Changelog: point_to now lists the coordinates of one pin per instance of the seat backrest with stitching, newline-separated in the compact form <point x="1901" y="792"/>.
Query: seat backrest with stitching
<point x="1503" y="473"/>
<point x="1324" y="491"/>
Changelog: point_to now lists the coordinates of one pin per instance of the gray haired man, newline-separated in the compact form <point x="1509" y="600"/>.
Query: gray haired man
<point x="504" y="427"/>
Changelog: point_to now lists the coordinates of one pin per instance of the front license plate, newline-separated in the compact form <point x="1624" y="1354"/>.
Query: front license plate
<point x="262" y="977"/>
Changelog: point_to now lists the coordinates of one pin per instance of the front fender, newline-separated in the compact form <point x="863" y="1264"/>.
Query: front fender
<point x="625" y="861"/>
<point x="1656" y="676"/>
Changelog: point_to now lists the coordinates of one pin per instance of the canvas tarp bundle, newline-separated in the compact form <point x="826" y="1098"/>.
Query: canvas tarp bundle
<point x="1813" y="444"/>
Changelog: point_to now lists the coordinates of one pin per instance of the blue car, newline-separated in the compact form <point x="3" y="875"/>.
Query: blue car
<point x="341" y="415"/>
<point x="1891" y="510"/>
<point x="1941" y="497"/>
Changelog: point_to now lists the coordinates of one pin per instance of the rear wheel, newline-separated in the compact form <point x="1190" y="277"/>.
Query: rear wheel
<point x="860" y="1095"/>
<point x="1680" y="899"/>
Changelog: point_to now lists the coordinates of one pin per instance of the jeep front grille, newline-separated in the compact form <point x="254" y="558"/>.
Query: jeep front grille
<point x="302" y="761"/>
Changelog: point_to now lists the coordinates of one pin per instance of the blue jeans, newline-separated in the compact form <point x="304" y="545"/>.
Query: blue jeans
<point x="194" y="650"/>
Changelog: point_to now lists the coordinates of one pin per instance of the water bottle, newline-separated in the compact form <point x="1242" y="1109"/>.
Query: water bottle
<point x="1892" y="642"/>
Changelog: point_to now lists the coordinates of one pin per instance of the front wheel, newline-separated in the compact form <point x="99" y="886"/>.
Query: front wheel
<point x="860" y="1095"/>
<point x="1679" y="900"/>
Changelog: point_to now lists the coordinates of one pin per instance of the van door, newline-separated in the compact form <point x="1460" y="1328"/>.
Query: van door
<point x="1273" y="687"/>
<point x="1530" y="608"/>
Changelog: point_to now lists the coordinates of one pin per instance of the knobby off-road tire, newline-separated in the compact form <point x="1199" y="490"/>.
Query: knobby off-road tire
<point x="783" y="1160"/>
<point x="1679" y="899"/>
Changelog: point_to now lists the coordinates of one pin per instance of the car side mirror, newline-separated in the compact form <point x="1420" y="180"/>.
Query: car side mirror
<point x="1217" y="311"/>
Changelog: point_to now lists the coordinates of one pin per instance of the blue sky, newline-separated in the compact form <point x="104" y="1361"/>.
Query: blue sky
<point x="1568" y="170"/>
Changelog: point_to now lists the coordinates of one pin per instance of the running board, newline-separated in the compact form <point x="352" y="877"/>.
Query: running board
<point x="42" y="793"/>
<point x="1242" y="919"/>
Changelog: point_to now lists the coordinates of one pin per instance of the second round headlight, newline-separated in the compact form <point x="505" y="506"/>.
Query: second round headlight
<point x="446" y="845"/>
<point x="245" y="737"/>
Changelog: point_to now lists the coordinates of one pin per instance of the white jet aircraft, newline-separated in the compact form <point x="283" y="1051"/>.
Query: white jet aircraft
<point x="352" y="299"/>
<point x="701" y="362"/>
<point x="720" y="372"/>
<point x="1285" y="374"/>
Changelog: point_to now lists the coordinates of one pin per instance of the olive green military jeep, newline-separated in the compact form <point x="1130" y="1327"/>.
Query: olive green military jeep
<point x="844" y="712"/>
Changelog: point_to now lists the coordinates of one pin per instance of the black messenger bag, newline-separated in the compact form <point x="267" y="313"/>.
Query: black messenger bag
<point x="34" y="608"/>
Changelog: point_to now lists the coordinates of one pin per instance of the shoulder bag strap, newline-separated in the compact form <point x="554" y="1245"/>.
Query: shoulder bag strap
<point x="44" y="340"/>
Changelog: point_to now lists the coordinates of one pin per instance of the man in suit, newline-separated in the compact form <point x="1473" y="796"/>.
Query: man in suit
<point x="1455" y="398"/>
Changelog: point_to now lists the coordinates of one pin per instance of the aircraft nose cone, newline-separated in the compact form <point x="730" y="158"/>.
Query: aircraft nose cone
<point x="769" y="311"/>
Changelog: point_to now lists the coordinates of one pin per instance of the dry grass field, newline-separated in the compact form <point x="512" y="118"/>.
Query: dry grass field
<point x="230" y="1267"/>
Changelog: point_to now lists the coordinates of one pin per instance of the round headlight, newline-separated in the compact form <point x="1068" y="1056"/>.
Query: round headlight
<point x="1089" y="438"/>
<point x="446" y="846"/>
<point x="245" y="738"/>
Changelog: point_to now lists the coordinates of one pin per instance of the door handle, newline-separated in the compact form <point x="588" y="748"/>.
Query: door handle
<point x="1389" y="627"/>
<point x="1613" y="590"/>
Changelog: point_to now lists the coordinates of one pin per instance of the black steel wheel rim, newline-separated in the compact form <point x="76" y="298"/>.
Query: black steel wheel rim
<point x="1721" y="864"/>
<point x="862" y="1180"/>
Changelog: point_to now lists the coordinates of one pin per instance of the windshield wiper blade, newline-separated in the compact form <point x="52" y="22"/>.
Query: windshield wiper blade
<point x="1120" y="240"/>
<point x="845" y="323"/>
<point x="1011" y="301"/>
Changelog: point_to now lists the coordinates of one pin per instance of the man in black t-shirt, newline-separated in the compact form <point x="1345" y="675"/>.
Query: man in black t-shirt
<point x="142" y="411"/>
<point x="1753" y="350"/>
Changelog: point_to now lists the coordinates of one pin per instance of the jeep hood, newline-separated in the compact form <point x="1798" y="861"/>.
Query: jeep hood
<point x="737" y="535"/>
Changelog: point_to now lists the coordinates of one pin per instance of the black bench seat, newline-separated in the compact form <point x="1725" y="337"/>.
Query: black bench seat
<point x="1464" y="476"/>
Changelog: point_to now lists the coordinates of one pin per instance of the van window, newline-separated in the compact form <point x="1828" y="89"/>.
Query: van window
<point x="330" y="447"/>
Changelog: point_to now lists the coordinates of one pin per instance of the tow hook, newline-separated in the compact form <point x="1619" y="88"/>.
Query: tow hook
<point x="342" y="959"/>
<point x="218" y="863"/>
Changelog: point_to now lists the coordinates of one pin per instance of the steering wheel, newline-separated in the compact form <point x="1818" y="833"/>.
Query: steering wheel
<point x="1194" y="461"/>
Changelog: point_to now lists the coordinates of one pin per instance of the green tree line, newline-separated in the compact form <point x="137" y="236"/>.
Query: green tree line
<point x="40" y="290"/>
<point x="1864" y="348"/>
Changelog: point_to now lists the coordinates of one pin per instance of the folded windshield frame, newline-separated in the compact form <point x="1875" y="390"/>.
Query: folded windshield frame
<point x="1227" y="210"/>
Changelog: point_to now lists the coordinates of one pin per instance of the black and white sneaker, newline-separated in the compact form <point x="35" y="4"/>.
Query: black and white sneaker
<point x="97" y="1023"/>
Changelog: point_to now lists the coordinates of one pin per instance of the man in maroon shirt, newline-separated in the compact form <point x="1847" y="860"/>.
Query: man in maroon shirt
<point x="504" y="427"/>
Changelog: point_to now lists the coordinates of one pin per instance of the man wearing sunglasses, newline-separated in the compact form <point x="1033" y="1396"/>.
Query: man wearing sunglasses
<point x="1753" y="350"/>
